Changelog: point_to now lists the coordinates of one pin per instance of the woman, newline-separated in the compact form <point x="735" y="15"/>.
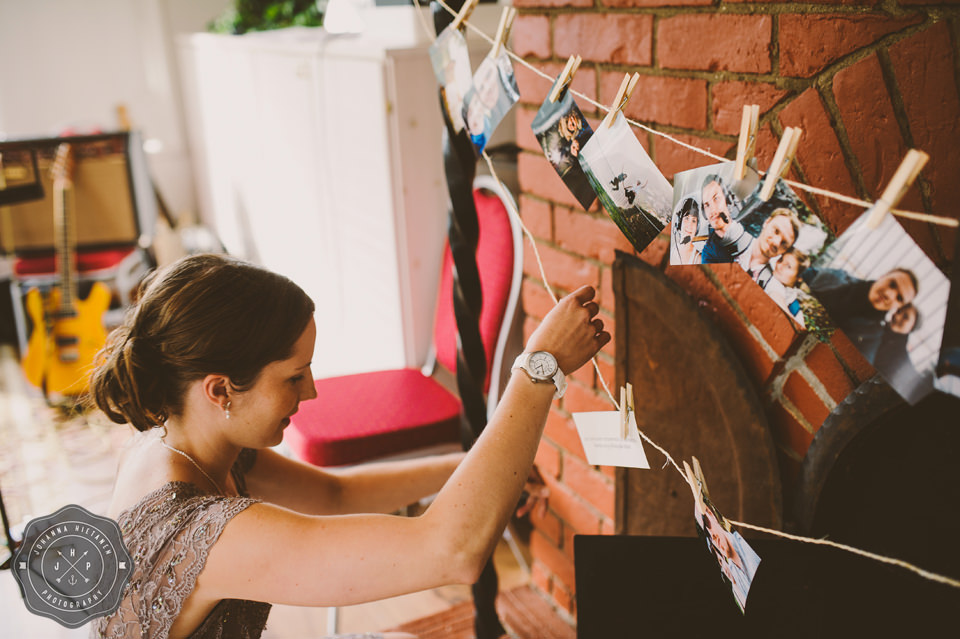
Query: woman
<point x="684" y="249"/>
<point x="210" y="365"/>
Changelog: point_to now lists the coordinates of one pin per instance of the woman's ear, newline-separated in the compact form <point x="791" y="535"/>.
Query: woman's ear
<point x="216" y="389"/>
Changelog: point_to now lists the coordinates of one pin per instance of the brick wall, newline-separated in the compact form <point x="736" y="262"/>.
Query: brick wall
<point x="866" y="80"/>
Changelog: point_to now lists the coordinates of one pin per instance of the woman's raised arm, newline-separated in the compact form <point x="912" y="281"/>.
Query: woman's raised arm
<point x="268" y="553"/>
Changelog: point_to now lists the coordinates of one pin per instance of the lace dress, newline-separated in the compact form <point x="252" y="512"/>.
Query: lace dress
<point x="169" y="534"/>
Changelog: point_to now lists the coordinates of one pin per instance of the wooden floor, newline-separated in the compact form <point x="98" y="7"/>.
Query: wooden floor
<point x="48" y="461"/>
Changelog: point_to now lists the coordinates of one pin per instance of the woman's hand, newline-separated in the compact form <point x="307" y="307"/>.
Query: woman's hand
<point x="570" y="331"/>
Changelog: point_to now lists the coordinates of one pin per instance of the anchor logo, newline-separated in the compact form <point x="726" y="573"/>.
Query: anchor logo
<point x="72" y="566"/>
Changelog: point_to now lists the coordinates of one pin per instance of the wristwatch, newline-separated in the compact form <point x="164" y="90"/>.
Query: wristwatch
<point x="541" y="366"/>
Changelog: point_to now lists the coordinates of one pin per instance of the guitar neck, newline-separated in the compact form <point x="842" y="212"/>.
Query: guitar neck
<point x="63" y="224"/>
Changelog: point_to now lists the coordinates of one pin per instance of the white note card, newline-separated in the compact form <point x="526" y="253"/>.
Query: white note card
<point x="600" y="435"/>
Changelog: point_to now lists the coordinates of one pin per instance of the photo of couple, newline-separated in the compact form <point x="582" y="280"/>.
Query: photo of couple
<point x="719" y="220"/>
<point x="882" y="290"/>
<point x="562" y="131"/>
<point x="629" y="185"/>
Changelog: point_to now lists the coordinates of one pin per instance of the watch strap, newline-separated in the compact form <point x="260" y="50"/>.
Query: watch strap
<point x="559" y="379"/>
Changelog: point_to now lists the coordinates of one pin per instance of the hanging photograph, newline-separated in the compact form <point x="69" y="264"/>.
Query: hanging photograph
<point x="451" y="65"/>
<point x="948" y="367"/>
<point x="707" y="204"/>
<point x="772" y="240"/>
<point x="563" y="131"/>
<point x="737" y="560"/>
<point x="492" y="93"/>
<point x="629" y="185"/>
<point x="881" y="290"/>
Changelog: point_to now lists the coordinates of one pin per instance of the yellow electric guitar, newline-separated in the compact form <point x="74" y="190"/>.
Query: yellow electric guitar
<point x="67" y="332"/>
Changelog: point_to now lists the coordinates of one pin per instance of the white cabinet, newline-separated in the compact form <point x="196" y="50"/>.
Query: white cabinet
<point x="320" y="157"/>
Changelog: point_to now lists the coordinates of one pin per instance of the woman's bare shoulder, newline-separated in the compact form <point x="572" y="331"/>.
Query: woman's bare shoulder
<point x="142" y="469"/>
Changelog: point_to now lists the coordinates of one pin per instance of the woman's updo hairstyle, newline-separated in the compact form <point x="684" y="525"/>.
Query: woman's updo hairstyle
<point x="201" y="315"/>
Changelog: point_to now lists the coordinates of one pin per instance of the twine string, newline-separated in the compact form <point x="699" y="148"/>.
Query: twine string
<point x="923" y="217"/>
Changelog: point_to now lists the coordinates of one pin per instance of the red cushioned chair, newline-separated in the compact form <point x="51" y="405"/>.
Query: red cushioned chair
<point x="369" y="416"/>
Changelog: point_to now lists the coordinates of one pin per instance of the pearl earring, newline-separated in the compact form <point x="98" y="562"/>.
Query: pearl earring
<point x="226" y="410"/>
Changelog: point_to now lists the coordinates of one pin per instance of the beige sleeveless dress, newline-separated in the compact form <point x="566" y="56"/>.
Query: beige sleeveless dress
<point x="169" y="534"/>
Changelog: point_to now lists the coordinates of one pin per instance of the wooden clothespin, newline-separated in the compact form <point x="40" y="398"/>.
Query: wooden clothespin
<point x="749" y="124"/>
<point x="906" y="173"/>
<point x="565" y="77"/>
<point x="626" y="407"/>
<point x="464" y="13"/>
<point x="507" y="17"/>
<point x="781" y="160"/>
<point x="623" y="94"/>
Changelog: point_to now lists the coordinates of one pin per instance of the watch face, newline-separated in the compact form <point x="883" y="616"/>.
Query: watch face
<point x="543" y="365"/>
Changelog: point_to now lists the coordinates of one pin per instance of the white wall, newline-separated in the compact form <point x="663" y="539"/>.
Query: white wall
<point x="68" y="63"/>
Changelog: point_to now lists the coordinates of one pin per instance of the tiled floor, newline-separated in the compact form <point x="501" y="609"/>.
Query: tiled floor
<point x="47" y="461"/>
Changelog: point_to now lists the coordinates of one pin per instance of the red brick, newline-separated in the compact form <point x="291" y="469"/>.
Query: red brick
<point x="521" y="4"/>
<point x="655" y="3"/>
<point x="547" y="524"/>
<point x="560" y="430"/>
<point x="728" y="99"/>
<point x="559" y="565"/>
<point x="621" y="38"/>
<point x="537" y="216"/>
<point x="927" y="83"/>
<point x="744" y="45"/>
<point x="583" y="376"/>
<point x="568" y="535"/>
<point x="525" y="137"/>
<point x="675" y="101"/>
<point x="850" y="356"/>
<point x="823" y="363"/>
<point x="752" y="354"/>
<point x="548" y="459"/>
<point x="589" y="235"/>
<point x="533" y="88"/>
<point x="608" y="370"/>
<point x="540" y="577"/>
<point x="798" y="391"/>
<point x="572" y="511"/>
<point x="530" y="324"/>
<point x="767" y="143"/>
<point x="590" y="484"/>
<point x="538" y="177"/>
<point x="868" y="116"/>
<point x="788" y="431"/>
<point x="536" y="301"/>
<point x="672" y="158"/>
<point x="563" y="596"/>
<point x="810" y="42"/>
<point x="580" y="399"/>
<point x="531" y="36"/>
<point x="778" y="330"/>
<point x="821" y="158"/>
<point x="564" y="271"/>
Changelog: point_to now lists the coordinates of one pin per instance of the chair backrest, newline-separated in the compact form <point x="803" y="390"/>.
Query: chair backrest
<point x="500" y="263"/>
